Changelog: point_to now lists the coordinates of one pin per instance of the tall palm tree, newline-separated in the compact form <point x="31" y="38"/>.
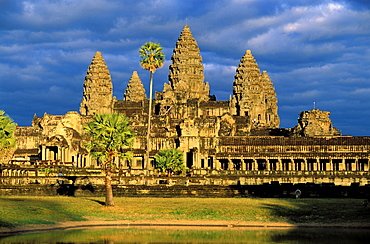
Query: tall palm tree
<point x="7" y="140"/>
<point x="152" y="59"/>
<point x="110" y="133"/>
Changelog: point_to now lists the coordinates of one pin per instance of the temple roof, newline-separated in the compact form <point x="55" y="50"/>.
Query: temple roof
<point x="186" y="76"/>
<point x="135" y="91"/>
<point x="98" y="88"/>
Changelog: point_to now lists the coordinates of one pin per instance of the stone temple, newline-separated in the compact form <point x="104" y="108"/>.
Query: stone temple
<point x="241" y="136"/>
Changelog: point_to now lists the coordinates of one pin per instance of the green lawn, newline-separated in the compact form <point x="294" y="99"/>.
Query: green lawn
<point x="25" y="211"/>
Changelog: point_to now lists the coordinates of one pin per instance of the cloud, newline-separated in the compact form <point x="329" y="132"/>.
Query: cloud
<point x="315" y="51"/>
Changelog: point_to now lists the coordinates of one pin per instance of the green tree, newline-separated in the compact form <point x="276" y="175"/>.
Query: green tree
<point x="152" y="59"/>
<point x="170" y="160"/>
<point x="109" y="133"/>
<point x="7" y="139"/>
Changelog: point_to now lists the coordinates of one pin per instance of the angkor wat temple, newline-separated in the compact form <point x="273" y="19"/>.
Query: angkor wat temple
<point x="241" y="136"/>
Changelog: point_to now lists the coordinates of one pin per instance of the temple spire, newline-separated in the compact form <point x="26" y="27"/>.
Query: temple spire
<point x="186" y="78"/>
<point x="254" y="93"/>
<point x="97" y="94"/>
<point x="135" y="91"/>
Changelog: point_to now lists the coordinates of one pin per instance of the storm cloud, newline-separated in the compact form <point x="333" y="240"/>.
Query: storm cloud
<point x="316" y="52"/>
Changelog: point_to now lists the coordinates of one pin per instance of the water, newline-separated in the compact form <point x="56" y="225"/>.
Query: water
<point x="200" y="235"/>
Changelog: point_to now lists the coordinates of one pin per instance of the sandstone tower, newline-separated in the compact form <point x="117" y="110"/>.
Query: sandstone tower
<point x="186" y="78"/>
<point x="97" y="94"/>
<point x="135" y="91"/>
<point x="254" y="93"/>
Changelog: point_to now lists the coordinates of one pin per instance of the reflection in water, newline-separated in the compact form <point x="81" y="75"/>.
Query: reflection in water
<point x="229" y="235"/>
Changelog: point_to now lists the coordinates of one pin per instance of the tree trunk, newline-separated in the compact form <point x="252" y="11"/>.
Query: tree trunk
<point x="147" y="166"/>
<point x="108" y="182"/>
<point x="108" y="190"/>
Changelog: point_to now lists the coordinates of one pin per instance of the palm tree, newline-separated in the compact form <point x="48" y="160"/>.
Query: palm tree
<point x="7" y="140"/>
<point x="110" y="133"/>
<point x="170" y="160"/>
<point x="152" y="59"/>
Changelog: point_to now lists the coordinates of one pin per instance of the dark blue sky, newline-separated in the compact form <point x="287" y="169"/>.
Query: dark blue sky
<point x="315" y="51"/>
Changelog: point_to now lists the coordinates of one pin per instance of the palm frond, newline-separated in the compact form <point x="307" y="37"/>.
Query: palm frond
<point x="109" y="133"/>
<point x="152" y="56"/>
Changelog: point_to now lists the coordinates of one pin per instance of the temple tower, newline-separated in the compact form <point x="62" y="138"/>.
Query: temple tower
<point x="271" y="113"/>
<point x="254" y="94"/>
<point x="135" y="91"/>
<point x="186" y="78"/>
<point x="97" y="94"/>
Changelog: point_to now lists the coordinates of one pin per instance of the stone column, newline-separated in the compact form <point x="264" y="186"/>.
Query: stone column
<point x="43" y="152"/>
<point x="331" y="166"/>
<point x="82" y="160"/>
<point x="68" y="156"/>
<point x="287" y="164"/>
<point x="268" y="164"/>
<point x="196" y="161"/>
<point x="305" y="164"/>
<point x="315" y="164"/>
<point x="65" y="150"/>
<point x="298" y="165"/>
<point x="230" y="165"/>
<point x="279" y="165"/>
<point x="65" y="154"/>
<point x="243" y="166"/>
<point x="217" y="164"/>
<point x="345" y="164"/>
<point x="51" y="155"/>
<point x="353" y="165"/>
<point x="62" y="154"/>
<point x="57" y="154"/>
<point x="290" y="165"/>
<point x="342" y="165"/>
<point x="48" y="154"/>
<point x="255" y="165"/>
<point x="320" y="165"/>
<point x="77" y="160"/>
<point x="88" y="161"/>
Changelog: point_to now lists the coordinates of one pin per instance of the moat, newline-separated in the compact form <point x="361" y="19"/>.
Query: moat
<point x="192" y="235"/>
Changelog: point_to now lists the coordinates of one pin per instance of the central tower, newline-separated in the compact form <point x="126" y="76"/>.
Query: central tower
<point x="186" y="78"/>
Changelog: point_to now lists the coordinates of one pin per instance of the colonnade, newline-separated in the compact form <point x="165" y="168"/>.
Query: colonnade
<point x="64" y="155"/>
<point x="197" y="160"/>
<point x="291" y="164"/>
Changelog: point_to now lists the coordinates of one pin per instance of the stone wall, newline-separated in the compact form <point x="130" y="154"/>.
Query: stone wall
<point x="263" y="185"/>
<point x="212" y="191"/>
<point x="196" y="177"/>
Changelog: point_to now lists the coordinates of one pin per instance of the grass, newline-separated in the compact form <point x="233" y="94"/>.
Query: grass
<point x="26" y="211"/>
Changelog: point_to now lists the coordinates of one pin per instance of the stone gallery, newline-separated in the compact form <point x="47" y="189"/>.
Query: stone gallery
<point x="240" y="136"/>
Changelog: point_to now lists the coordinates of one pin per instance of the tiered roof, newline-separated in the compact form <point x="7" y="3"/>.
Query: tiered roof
<point x="254" y="93"/>
<point x="186" y="76"/>
<point x="135" y="91"/>
<point x="97" y="95"/>
<point x="247" y="77"/>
